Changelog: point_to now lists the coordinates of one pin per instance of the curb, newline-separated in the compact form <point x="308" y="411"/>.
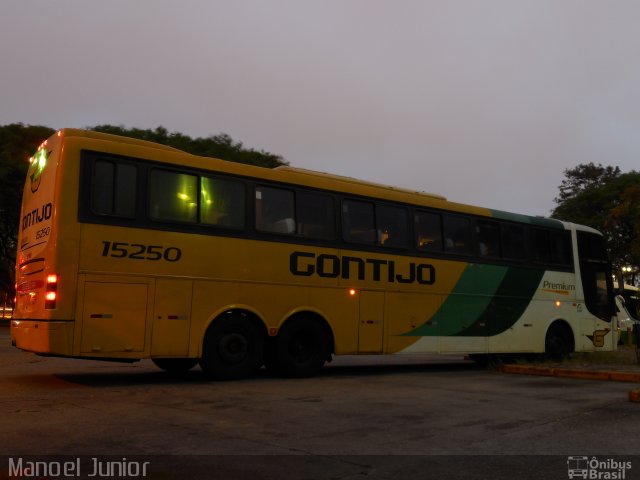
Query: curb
<point x="573" y="373"/>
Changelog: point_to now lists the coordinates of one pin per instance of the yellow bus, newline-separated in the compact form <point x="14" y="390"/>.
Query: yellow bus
<point x="131" y="250"/>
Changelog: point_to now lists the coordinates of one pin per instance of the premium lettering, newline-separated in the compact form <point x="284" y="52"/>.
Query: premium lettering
<point x="558" y="286"/>
<point x="307" y="264"/>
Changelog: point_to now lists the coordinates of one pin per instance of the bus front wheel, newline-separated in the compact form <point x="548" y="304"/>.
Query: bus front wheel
<point x="300" y="349"/>
<point x="558" y="342"/>
<point x="232" y="348"/>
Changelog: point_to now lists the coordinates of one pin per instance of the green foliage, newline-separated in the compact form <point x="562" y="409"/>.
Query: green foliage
<point x="18" y="142"/>
<point x="218" y="146"/>
<point x="625" y="216"/>
<point x="584" y="177"/>
<point x="608" y="200"/>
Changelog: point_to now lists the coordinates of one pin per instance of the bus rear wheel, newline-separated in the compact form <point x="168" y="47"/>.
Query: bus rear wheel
<point x="232" y="348"/>
<point x="175" y="365"/>
<point x="300" y="349"/>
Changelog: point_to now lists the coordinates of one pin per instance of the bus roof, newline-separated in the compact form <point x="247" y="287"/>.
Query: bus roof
<point x="356" y="181"/>
<point x="75" y="132"/>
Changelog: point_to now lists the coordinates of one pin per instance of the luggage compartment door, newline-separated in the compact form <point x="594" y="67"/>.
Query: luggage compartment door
<point x="171" y="318"/>
<point x="114" y="317"/>
<point x="371" y="328"/>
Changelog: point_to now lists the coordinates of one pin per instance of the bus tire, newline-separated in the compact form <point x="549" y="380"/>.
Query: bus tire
<point x="232" y="348"/>
<point x="558" y="344"/>
<point x="175" y="365"/>
<point x="300" y="349"/>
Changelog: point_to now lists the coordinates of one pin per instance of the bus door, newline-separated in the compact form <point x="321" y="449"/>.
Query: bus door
<point x="371" y="326"/>
<point x="114" y="315"/>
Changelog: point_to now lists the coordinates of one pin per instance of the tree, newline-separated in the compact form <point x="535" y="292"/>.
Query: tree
<point x="625" y="218"/>
<point x="607" y="200"/>
<point x="218" y="146"/>
<point x="18" y="142"/>
<point x="584" y="177"/>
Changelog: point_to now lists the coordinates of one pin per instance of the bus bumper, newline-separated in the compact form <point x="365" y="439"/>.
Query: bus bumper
<point x="47" y="337"/>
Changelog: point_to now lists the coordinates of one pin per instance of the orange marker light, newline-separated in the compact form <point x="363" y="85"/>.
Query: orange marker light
<point x="558" y="303"/>
<point x="352" y="292"/>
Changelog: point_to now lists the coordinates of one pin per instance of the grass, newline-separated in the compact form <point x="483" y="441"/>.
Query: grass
<point x="623" y="356"/>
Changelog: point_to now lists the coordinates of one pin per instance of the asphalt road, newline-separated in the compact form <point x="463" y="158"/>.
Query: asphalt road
<point x="362" y="417"/>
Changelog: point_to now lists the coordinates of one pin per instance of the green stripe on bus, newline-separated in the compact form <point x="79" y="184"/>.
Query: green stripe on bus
<point x="470" y="297"/>
<point x="508" y="305"/>
<point x="486" y="301"/>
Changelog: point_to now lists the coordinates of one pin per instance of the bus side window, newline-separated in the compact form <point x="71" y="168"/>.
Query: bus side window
<point x="114" y="187"/>
<point x="540" y="246"/>
<point x="275" y="210"/>
<point x="173" y="196"/>
<point x="315" y="215"/>
<point x="513" y="242"/>
<point x="429" y="231"/>
<point x="393" y="226"/>
<point x="488" y="238"/>
<point x="457" y="234"/>
<point x="222" y="202"/>
<point x="561" y="253"/>
<point x="358" y="222"/>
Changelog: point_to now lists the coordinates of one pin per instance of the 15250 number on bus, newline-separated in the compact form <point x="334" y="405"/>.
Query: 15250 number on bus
<point x="139" y="251"/>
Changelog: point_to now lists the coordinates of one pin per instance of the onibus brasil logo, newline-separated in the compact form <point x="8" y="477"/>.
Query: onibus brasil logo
<point x="595" y="468"/>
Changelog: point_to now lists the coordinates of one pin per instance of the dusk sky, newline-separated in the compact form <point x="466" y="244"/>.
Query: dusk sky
<point x="483" y="101"/>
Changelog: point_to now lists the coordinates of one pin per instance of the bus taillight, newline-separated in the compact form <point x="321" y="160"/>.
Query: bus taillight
<point x="52" y="291"/>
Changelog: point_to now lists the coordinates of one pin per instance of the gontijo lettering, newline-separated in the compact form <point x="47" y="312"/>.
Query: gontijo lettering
<point x="37" y="215"/>
<point x="306" y="264"/>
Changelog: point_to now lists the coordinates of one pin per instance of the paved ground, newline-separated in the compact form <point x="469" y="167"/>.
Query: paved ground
<point x="361" y="418"/>
<point x="622" y="366"/>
